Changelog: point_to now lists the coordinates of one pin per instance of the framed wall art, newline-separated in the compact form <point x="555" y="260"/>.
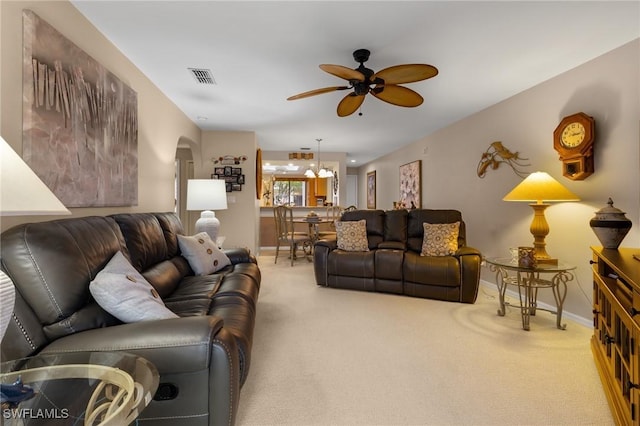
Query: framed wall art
<point x="232" y="176"/>
<point x="80" y="131"/>
<point x="410" y="184"/>
<point x="259" y="174"/>
<point x="371" y="190"/>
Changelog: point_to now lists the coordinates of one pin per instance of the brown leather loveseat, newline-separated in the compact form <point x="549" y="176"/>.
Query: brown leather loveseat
<point x="393" y="263"/>
<point x="202" y="353"/>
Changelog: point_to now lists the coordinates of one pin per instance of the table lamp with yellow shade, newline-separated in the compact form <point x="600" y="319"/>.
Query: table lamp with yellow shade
<point x="539" y="188"/>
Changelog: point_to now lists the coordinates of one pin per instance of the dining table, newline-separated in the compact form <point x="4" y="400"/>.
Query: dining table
<point x="313" y="223"/>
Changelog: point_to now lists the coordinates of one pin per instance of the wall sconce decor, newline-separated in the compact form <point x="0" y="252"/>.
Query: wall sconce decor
<point x="497" y="154"/>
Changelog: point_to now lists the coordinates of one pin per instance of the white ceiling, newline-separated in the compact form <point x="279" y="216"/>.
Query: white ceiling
<point x="262" y="52"/>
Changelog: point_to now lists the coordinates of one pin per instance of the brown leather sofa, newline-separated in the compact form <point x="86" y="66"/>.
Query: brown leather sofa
<point x="393" y="263"/>
<point x="203" y="356"/>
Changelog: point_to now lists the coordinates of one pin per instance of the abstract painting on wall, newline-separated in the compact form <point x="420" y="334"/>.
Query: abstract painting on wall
<point x="410" y="184"/>
<point x="80" y="122"/>
<point x="371" y="190"/>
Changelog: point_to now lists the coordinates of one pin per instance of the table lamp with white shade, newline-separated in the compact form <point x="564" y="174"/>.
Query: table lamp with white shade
<point x="537" y="188"/>
<point x="22" y="193"/>
<point x="207" y="195"/>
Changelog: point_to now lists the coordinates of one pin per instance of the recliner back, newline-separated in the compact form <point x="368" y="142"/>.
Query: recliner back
<point x="415" y="229"/>
<point x="152" y="240"/>
<point x="395" y="226"/>
<point x="51" y="265"/>
<point x="144" y="237"/>
<point x="375" y="224"/>
<point x="404" y="226"/>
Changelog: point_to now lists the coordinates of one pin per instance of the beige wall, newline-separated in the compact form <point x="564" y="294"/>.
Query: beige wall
<point x="240" y="222"/>
<point x="606" y="88"/>
<point x="161" y="123"/>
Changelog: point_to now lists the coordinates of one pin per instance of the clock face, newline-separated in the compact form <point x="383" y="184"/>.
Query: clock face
<point x="572" y="135"/>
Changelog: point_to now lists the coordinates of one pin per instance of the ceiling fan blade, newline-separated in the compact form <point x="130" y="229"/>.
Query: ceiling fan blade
<point x="342" y="72"/>
<point x="349" y="104"/>
<point x="316" y="92"/>
<point x="397" y="95"/>
<point x="406" y="73"/>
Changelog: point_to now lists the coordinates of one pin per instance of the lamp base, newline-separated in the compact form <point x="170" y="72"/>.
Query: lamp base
<point x="208" y="223"/>
<point x="539" y="229"/>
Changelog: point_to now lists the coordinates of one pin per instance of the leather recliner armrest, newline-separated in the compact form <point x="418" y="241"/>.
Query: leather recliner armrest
<point x="329" y="244"/>
<point x="176" y="345"/>
<point x="321" y="251"/>
<point x="470" y="260"/>
<point x="466" y="251"/>
<point x="240" y="255"/>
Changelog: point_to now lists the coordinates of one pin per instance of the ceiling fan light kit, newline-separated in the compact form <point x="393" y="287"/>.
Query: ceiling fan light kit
<point x="384" y="85"/>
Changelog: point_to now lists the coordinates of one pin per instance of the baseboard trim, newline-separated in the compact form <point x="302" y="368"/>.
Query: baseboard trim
<point x="587" y="322"/>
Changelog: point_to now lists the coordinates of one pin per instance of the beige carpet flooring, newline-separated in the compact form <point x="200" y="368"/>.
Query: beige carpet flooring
<point x="324" y="356"/>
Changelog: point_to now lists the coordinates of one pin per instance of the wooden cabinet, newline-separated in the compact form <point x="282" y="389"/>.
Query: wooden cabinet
<point x="616" y="320"/>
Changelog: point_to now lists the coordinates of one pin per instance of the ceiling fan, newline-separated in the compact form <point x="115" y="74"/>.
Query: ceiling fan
<point x="384" y="84"/>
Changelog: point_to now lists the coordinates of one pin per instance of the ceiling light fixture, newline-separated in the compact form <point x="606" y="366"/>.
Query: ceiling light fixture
<point x="322" y="172"/>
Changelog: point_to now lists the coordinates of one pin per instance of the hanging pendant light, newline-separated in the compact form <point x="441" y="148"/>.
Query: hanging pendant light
<point x="322" y="172"/>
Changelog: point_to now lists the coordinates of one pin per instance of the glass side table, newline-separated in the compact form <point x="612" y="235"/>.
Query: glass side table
<point x="77" y="388"/>
<point x="529" y="280"/>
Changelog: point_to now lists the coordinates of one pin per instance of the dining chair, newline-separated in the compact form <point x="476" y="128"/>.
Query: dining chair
<point x="286" y="234"/>
<point x="333" y="213"/>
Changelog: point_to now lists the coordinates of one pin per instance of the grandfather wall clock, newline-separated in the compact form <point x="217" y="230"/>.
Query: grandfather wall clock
<point x="573" y="139"/>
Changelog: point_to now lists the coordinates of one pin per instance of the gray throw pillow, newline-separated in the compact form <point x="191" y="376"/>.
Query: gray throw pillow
<point x="123" y="292"/>
<point x="202" y="253"/>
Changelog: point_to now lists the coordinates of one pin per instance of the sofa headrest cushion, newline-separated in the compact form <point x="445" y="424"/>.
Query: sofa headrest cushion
<point x="145" y="239"/>
<point x="352" y="235"/>
<point x="172" y="227"/>
<point x="440" y="239"/>
<point x="415" y="227"/>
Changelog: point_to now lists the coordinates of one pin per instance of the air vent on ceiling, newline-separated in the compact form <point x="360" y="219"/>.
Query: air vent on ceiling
<point x="202" y="76"/>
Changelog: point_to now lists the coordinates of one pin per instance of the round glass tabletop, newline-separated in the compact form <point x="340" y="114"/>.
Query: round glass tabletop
<point x="90" y="388"/>
<point x="511" y="263"/>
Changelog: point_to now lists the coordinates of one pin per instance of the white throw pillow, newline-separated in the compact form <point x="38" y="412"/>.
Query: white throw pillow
<point x="123" y="292"/>
<point x="202" y="253"/>
<point x="440" y="239"/>
<point x="352" y="235"/>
